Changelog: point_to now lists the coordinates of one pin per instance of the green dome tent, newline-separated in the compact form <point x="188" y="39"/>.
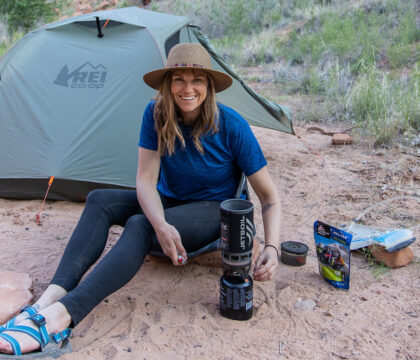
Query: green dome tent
<point x="72" y="99"/>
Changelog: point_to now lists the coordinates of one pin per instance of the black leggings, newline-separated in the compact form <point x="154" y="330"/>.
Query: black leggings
<point x="197" y="222"/>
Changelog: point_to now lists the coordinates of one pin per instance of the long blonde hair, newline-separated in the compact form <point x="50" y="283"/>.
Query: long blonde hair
<point x="166" y="117"/>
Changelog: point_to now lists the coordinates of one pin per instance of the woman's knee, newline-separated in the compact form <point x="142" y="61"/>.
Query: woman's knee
<point x="138" y="223"/>
<point x="98" y="197"/>
<point x="110" y="197"/>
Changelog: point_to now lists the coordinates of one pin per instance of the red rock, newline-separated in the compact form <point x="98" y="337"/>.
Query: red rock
<point x="77" y="13"/>
<point x="104" y="5"/>
<point x="341" y="139"/>
<point x="14" y="293"/>
<point x="394" y="259"/>
<point x="85" y="8"/>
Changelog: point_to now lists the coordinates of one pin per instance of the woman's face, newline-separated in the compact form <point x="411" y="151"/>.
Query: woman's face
<point x="189" y="89"/>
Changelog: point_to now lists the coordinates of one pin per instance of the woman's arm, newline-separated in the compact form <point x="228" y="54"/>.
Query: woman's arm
<point x="147" y="175"/>
<point x="267" y="263"/>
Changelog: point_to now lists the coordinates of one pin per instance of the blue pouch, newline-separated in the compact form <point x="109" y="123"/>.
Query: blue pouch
<point x="333" y="252"/>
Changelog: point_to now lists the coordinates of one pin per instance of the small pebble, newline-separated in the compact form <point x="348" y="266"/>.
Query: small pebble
<point x="305" y="304"/>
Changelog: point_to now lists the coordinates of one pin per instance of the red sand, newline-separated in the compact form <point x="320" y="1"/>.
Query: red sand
<point x="172" y="313"/>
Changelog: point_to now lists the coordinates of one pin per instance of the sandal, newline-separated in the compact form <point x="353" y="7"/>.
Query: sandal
<point x="29" y="309"/>
<point x="49" y="342"/>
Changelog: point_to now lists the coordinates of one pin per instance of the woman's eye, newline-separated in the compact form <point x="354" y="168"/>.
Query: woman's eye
<point x="178" y="79"/>
<point x="198" y="80"/>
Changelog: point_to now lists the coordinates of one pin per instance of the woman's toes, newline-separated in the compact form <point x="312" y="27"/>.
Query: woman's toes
<point x="25" y="342"/>
<point x="5" y="347"/>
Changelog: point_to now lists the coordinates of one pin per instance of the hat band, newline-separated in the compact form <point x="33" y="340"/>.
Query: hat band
<point x="187" y="65"/>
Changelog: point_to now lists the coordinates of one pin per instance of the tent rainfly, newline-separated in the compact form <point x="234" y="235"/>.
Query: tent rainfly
<point x="72" y="99"/>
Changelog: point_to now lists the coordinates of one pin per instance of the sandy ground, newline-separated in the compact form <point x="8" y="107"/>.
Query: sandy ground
<point x="172" y="313"/>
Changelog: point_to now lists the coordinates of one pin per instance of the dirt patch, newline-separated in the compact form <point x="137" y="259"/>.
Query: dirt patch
<point x="167" y="312"/>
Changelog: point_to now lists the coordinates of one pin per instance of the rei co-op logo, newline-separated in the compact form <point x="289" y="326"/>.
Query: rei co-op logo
<point x="85" y="76"/>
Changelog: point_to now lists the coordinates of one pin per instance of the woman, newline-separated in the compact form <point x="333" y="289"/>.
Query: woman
<point x="191" y="154"/>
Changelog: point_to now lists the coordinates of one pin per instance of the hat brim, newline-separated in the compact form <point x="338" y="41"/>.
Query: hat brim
<point x="221" y="80"/>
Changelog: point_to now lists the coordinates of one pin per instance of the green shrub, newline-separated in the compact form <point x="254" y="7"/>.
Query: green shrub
<point x="360" y="37"/>
<point x="312" y="83"/>
<point x="26" y="13"/>
<point x="244" y="50"/>
<point x="399" y="55"/>
<point x="7" y="38"/>
<point x="386" y="108"/>
<point x="353" y="38"/>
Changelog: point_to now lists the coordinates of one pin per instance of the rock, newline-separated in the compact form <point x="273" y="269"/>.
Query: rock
<point x="394" y="259"/>
<point x="106" y="4"/>
<point x="85" y="8"/>
<point x="14" y="280"/>
<point x="341" y="139"/>
<point x="305" y="304"/>
<point x="14" y="293"/>
<point x="77" y="13"/>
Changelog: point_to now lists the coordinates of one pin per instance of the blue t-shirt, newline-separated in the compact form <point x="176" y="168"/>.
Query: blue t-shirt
<point x="189" y="175"/>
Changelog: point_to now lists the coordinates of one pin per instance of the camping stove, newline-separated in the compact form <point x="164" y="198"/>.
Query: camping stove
<point x="237" y="233"/>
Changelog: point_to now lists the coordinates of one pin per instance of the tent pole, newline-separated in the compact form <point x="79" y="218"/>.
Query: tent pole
<point x="98" y="25"/>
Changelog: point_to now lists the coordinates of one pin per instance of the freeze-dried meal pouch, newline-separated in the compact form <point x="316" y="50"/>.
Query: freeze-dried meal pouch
<point x="333" y="252"/>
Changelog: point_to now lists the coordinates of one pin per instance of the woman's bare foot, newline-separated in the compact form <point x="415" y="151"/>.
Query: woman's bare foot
<point x="57" y="319"/>
<point x="52" y="294"/>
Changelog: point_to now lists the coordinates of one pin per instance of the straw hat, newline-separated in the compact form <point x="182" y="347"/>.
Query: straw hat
<point x="188" y="56"/>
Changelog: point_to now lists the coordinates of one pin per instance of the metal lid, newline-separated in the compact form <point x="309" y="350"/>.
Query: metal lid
<point x="294" y="247"/>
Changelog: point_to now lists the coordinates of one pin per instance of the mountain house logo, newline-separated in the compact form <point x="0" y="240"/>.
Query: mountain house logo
<point x="323" y="230"/>
<point x="85" y="76"/>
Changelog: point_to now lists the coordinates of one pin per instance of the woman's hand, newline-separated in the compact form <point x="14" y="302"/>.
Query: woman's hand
<point x="170" y="242"/>
<point x="266" y="264"/>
